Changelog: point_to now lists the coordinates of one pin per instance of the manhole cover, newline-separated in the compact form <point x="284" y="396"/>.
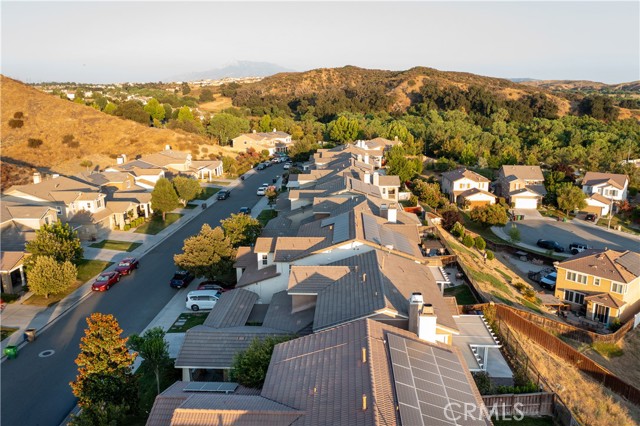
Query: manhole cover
<point x="46" y="353"/>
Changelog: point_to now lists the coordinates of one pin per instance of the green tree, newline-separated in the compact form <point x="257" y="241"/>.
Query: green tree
<point x="185" y="88"/>
<point x="570" y="197"/>
<point x="155" y="110"/>
<point x="56" y="240"/>
<point x="110" y="108"/>
<point x="450" y="218"/>
<point x="225" y="127"/>
<point x="467" y="240"/>
<point x="458" y="230"/>
<point x="104" y="365"/>
<point x="46" y="276"/>
<point x="164" y="197"/>
<point x="168" y="111"/>
<point x="265" y="123"/>
<point x="185" y="114"/>
<point x="480" y="243"/>
<point x="154" y="351"/>
<point x="428" y="193"/>
<point x="250" y="366"/>
<point x="187" y="188"/>
<point x="490" y="215"/>
<point x="133" y="110"/>
<point x="100" y="414"/>
<point x="514" y="233"/>
<point x="209" y="253"/>
<point x="206" y="95"/>
<point x="344" y="129"/>
<point x="241" y="229"/>
<point x="399" y="165"/>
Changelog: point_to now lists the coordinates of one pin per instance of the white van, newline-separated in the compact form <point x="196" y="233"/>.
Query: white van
<point x="202" y="299"/>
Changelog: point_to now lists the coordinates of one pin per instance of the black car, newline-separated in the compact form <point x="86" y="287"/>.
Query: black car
<point x="591" y="217"/>
<point x="550" y="245"/>
<point x="181" y="279"/>
<point x="224" y="194"/>
<point x="245" y="210"/>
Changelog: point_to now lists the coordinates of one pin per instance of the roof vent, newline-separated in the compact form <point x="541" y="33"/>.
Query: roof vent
<point x="364" y="402"/>
<point x="364" y="277"/>
<point x="364" y="355"/>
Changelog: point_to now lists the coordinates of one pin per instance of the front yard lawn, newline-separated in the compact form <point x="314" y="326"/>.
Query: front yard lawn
<point x="207" y="192"/>
<point x="220" y="182"/>
<point x="156" y="224"/>
<point x="617" y="221"/>
<point x="190" y="320"/>
<point x="87" y="269"/>
<point x="462" y="293"/>
<point x="266" y="215"/>
<point x="6" y="332"/>
<point x="116" y="245"/>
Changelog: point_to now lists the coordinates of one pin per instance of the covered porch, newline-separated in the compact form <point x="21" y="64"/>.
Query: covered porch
<point x="603" y="308"/>
<point x="12" y="271"/>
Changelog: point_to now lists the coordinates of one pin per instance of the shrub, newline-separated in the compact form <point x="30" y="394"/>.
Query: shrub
<point x="204" y="149"/>
<point x="514" y="234"/>
<point x="34" y="143"/>
<point x="615" y="325"/>
<point x="449" y="218"/>
<point x="520" y="286"/>
<point x="457" y="230"/>
<point x="528" y="293"/>
<point x="490" y="255"/>
<point x="18" y="115"/>
<point x="127" y="227"/>
<point x="468" y="240"/>
<point x="16" y="124"/>
<point x="480" y="243"/>
<point x="483" y="382"/>
<point x="607" y="349"/>
<point x="74" y="144"/>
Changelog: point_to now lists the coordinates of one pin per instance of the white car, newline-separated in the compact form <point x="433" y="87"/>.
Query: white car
<point x="549" y="281"/>
<point x="287" y="166"/>
<point x="202" y="299"/>
<point x="261" y="191"/>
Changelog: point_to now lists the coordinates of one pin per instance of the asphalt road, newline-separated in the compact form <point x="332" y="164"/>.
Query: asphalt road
<point x="35" y="390"/>
<point x="575" y="231"/>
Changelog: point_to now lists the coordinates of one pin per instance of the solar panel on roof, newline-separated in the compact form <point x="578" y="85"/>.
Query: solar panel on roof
<point x="631" y="261"/>
<point x="219" y="387"/>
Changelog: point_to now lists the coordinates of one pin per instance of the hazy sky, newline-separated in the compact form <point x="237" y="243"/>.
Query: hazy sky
<point x="150" y="41"/>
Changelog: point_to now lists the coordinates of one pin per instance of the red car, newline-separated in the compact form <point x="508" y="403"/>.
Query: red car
<point x="105" y="280"/>
<point x="127" y="265"/>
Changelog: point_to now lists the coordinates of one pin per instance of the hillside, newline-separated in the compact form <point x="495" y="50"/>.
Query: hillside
<point x="70" y="133"/>
<point x="399" y="87"/>
<point x="584" y="85"/>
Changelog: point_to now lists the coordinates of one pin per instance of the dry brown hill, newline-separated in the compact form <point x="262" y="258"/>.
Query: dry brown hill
<point x="100" y="137"/>
<point x="397" y="84"/>
<point x="584" y="85"/>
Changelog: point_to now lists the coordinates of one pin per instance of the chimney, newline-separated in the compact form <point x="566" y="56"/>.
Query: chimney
<point x="365" y="159"/>
<point x="37" y="177"/>
<point x="366" y="177"/>
<point x="376" y="178"/>
<point x="167" y="147"/>
<point x="124" y="157"/>
<point x="120" y="160"/>
<point x="360" y="157"/>
<point x="427" y="323"/>
<point x="274" y="130"/>
<point x="415" y="303"/>
<point x="55" y="176"/>
<point x="392" y="213"/>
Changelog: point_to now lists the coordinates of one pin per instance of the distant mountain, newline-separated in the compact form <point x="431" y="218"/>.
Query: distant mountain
<point x="238" y="69"/>
<point x="521" y="80"/>
<point x="584" y="86"/>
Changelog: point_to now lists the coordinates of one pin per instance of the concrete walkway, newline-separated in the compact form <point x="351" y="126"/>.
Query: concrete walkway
<point x="21" y="316"/>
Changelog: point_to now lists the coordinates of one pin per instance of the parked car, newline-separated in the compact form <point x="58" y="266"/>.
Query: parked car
<point x="576" y="248"/>
<point x="181" y="279"/>
<point x="287" y="166"/>
<point x="212" y="285"/>
<point x="261" y="166"/>
<point x="202" y="299"/>
<point x="591" y="217"/>
<point x="551" y="245"/>
<point x="224" y="194"/>
<point x="105" y="280"/>
<point x="245" y="210"/>
<point x="549" y="281"/>
<point x="262" y="190"/>
<point x="127" y="265"/>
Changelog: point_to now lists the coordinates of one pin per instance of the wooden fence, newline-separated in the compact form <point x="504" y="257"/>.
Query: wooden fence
<point x="556" y="346"/>
<point x="527" y="404"/>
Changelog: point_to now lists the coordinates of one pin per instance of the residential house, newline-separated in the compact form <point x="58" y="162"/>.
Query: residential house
<point x="12" y="271"/>
<point x="521" y="186"/>
<point x="472" y="188"/>
<point x="274" y="142"/>
<point x="603" y="284"/>
<point x="598" y="204"/>
<point x="375" y="149"/>
<point x="611" y="186"/>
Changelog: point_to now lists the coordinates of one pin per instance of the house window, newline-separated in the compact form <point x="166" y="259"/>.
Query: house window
<point x="618" y="288"/>
<point x="264" y="259"/>
<point x="574" y="297"/>
<point x="59" y="210"/>
<point x="98" y="203"/>
<point x="577" y="278"/>
<point x="88" y="206"/>
<point x="596" y="281"/>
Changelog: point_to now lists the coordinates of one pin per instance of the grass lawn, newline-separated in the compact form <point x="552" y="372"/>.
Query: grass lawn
<point x="484" y="232"/>
<point x="156" y="224"/>
<point x="462" y="293"/>
<point x="531" y="306"/>
<point x="526" y="421"/>
<point x="6" y="332"/>
<point x="608" y="350"/>
<point x="86" y="270"/>
<point x="494" y="281"/>
<point x="192" y="320"/>
<point x="220" y="183"/>
<point x="190" y="206"/>
<point x="207" y="192"/>
<point x="504" y="274"/>
<point x="502" y="299"/>
<point x="266" y="215"/>
<point x="615" y="222"/>
<point x="116" y="245"/>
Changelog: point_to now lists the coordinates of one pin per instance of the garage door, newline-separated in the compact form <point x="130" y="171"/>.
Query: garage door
<point x="526" y="203"/>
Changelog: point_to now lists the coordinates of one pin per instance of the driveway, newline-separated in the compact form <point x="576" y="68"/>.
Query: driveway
<point x="575" y="231"/>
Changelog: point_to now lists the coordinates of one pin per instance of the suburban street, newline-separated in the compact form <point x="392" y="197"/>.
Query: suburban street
<point x="35" y="389"/>
<point x="575" y="231"/>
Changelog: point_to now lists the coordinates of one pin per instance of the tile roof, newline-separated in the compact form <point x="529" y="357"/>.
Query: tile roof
<point x="11" y="210"/>
<point x="280" y="317"/>
<point x="457" y="174"/>
<point x="63" y="189"/>
<point x="265" y="245"/>
<point x="10" y="259"/>
<point x="473" y="191"/>
<point x="523" y="172"/>
<point x="312" y="279"/>
<point x="165" y="158"/>
<point x="206" y="347"/>
<point x="600" y="198"/>
<point x="291" y="248"/>
<point x="606" y="299"/>
<point x="14" y="236"/>
<point x="244" y="257"/>
<point x="253" y="275"/>
<point x="596" y="178"/>
<point x="232" y="309"/>
<point x="608" y="264"/>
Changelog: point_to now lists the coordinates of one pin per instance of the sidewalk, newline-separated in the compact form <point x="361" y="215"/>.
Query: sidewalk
<point x="21" y="316"/>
